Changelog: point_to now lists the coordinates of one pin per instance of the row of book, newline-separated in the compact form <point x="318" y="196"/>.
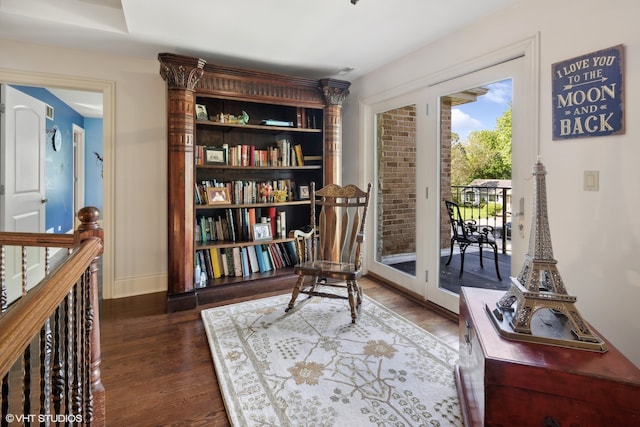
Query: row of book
<point x="282" y="154"/>
<point x="247" y="191"/>
<point x="214" y="263"/>
<point x="236" y="225"/>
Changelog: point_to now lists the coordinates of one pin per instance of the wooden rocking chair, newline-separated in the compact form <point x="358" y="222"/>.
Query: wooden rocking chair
<point x="330" y="252"/>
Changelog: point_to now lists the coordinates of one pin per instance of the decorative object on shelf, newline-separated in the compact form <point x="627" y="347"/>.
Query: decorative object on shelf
<point x="215" y="156"/>
<point x="201" y="112"/>
<point x="266" y="192"/>
<point x="262" y="231"/>
<point x="56" y="137"/>
<point x="242" y="119"/>
<point x="544" y="312"/>
<point x="280" y="123"/>
<point x="280" y="196"/>
<point x="304" y="192"/>
<point x="218" y="196"/>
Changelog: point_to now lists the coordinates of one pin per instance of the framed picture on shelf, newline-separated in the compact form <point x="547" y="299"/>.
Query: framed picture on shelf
<point x="262" y="231"/>
<point x="218" y="196"/>
<point x="304" y="192"/>
<point x="201" y="112"/>
<point x="214" y="156"/>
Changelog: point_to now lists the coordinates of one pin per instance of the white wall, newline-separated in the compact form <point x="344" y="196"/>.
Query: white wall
<point x="596" y="235"/>
<point x="139" y="172"/>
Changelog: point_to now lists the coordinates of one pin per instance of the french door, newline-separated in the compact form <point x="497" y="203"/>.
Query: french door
<point x="440" y="97"/>
<point x="399" y="136"/>
<point x="421" y="213"/>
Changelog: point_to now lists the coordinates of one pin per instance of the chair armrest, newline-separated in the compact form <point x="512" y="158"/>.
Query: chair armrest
<point x="299" y="234"/>
<point x="487" y="229"/>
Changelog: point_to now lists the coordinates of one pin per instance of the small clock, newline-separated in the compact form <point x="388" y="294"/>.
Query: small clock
<point x="56" y="138"/>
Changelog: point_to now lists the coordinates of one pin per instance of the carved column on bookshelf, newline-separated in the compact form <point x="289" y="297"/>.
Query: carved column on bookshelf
<point x="181" y="76"/>
<point x="334" y="92"/>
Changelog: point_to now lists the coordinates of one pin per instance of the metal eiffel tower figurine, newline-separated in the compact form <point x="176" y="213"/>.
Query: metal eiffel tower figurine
<point x="544" y="311"/>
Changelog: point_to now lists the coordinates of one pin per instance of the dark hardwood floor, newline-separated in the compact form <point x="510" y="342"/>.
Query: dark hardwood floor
<point x="157" y="368"/>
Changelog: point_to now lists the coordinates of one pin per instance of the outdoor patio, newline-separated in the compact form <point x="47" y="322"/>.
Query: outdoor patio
<point x="474" y="276"/>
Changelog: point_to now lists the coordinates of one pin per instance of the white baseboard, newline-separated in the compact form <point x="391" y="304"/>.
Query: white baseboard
<point x="137" y="286"/>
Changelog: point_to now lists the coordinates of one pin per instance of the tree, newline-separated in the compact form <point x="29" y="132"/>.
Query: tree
<point x="485" y="155"/>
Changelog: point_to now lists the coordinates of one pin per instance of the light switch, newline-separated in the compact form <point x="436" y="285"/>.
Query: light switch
<point x="591" y="180"/>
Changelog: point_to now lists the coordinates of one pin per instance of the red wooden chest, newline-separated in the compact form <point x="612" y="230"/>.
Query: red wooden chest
<point x="513" y="383"/>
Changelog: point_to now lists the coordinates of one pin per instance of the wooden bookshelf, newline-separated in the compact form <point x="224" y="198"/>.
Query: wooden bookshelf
<point x="312" y="106"/>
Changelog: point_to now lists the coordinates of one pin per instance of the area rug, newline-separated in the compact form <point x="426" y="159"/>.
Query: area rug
<point x="313" y="367"/>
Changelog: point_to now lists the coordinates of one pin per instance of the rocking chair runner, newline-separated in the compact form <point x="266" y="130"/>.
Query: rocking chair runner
<point x="331" y="252"/>
<point x="467" y="233"/>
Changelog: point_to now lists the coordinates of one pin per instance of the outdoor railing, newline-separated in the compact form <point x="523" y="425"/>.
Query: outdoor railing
<point x="50" y="335"/>
<point x="487" y="206"/>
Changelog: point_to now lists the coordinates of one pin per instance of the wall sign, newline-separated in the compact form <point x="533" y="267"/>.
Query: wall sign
<point x="588" y="95"/>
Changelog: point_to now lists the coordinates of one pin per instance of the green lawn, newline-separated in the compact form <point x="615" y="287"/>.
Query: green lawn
<point x="478" y="212"/>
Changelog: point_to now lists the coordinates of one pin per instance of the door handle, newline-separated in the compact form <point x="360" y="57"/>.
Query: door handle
<point x="44" y="200"/>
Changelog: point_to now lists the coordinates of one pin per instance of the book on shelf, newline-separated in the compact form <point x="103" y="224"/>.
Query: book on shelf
<point x="198" y="269"/>
<point x="244" y="256"/>
<point x="291" y="249"/>
<point x="242" y="261"/>
<point x="253" y="259"/>
<point x="215" y="261"/>
<point x="277" y="255"/>
<point x="284" y="254"/>
<point x="281" y="224"/>
<point x="282" y="153"/>
<point x="299" y="156"/>
<point x="269" y="256"/>
<point x="237" y="261"/>
<point x="208" y="263"/>
<point x="301" y="119"/>
<point x="260" y="258"/>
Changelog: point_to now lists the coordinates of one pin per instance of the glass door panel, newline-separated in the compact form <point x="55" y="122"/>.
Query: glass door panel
<point x="462" y="181"/>
<point x="396" y="189"/>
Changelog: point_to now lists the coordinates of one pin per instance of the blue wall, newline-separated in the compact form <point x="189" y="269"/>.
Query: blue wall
<point x="92" y="165"/>
<point x="59" y="164"/>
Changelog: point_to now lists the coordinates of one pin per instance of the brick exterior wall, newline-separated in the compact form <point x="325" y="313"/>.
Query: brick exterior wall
<point x="396" y="182"/>
<point x="445" y="171"/>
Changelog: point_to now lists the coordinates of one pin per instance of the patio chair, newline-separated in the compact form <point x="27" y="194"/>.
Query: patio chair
<point x="330" y="251"/>
<point x="468" y="233"/>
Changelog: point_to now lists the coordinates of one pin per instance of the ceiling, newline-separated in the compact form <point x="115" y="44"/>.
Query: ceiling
<point x="307" y="38"/>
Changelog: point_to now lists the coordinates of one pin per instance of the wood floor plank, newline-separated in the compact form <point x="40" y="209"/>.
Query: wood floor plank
<point x="157" y="367"/>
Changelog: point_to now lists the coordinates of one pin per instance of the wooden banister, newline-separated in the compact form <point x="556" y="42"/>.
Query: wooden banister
<point x="66" y="300"/>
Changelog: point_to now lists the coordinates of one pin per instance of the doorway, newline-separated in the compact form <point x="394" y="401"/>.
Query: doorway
<point x="105" y="167"/>
<point x="445" y="96"/>
<point x="475" y="164"/>
<point x="517" y="63"/>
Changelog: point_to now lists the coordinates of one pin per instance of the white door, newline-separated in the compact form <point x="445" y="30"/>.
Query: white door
<point x="22" y="200"/>
<point x="397" y="240"/>
<point x="524" y="149"/>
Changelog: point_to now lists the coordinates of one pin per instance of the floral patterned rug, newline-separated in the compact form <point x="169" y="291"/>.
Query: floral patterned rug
<point x="313" y="367"/>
